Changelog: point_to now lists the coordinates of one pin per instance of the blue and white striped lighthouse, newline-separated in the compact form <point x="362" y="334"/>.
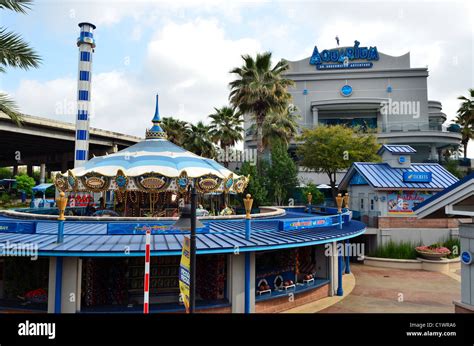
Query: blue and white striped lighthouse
<point x="86" y="44"/>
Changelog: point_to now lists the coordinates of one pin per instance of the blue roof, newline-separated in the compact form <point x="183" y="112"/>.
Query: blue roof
<point x="42" y="187"/>
<point x="445" y="191"/>
<point x="382" y="176"/>
<point x="91" y="238"/>
<point x="396" y="149"/>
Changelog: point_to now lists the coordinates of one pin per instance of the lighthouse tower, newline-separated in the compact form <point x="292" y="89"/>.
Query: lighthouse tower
<point x="86" y="44"/>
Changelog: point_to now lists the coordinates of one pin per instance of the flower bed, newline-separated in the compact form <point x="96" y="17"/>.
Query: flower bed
<point x="433" y="252"/>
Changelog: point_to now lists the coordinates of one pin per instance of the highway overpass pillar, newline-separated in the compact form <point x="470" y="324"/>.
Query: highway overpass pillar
<point x="42" y="173"/>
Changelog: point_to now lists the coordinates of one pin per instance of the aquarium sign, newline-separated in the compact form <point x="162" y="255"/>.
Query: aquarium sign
<point x="343" y="58"/>
<point x="417" y="177"/>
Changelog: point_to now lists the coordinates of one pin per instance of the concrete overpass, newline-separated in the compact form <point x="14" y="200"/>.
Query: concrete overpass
<point x="50" y="143"/>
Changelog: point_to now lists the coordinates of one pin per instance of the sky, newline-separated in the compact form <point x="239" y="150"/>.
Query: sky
<point x="184" y="50"/>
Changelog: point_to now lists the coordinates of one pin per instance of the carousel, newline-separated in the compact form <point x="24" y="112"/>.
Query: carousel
<point x="243" y="263"/>
<point x="152" y="179"/>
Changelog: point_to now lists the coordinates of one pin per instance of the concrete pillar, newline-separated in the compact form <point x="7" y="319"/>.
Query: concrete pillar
<point x="333" y="269"/>
<point x="71" y="284"/>
<point x="237" y="282"/>
<point x="42" y="173"/>
<point x="15" y="170"/>
<point x="315" y="116"/>
<point x="466" y="233"/>
<point x="29" y="170"/>
<point x="433" y="153"/>
<point x="64" y="163"/>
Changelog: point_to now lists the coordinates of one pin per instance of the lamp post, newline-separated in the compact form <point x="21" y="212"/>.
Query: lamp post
<point x="188" y="221"/>
<point x="340" y="292"/>
<point x="61" y="202"/>
<point x="347" y="266"/>
<point x="309" y="196"/>
<point x="248" y="201"/>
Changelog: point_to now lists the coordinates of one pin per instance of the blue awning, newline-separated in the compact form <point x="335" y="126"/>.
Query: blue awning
<point x="41" y="187"/>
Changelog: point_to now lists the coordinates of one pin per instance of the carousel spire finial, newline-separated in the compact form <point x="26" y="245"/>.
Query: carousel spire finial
<point x="156" y="131"/>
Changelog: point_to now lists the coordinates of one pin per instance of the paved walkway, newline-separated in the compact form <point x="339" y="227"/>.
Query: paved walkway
<point x="395" y="290"/>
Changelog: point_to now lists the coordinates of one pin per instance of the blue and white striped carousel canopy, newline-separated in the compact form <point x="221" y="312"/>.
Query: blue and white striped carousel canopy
<point x="153" y="165"/>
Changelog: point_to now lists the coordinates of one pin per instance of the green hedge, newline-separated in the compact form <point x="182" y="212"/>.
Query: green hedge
<point x="399" y="250"/>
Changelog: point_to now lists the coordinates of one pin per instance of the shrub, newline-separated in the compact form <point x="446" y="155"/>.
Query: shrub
<point x="454" y="245"/>
<point x="5" y="198"/>
<point x="400" y="250"/>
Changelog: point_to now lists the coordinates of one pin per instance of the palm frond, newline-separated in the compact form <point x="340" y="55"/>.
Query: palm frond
<point x="15" y="52"/>
<point x="9" y="107"/>
<point x="19" y="6"/>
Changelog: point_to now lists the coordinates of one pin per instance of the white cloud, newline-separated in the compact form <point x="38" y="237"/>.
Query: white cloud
<point x="187" y="64"/>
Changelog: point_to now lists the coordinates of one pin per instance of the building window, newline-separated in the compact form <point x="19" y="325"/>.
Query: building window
<point x="361" y="204"/>
<point x="85" y="56"/>
<point x="84" y="75"/>
<point x="372" y="204"/>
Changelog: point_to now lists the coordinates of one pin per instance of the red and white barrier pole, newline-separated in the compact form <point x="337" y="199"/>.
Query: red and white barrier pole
<point x="146" y="285"/>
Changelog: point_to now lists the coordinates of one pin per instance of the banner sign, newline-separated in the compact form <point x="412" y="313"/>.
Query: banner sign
<point x="292" y="224"/>
<point x="184" y="274"/>
<point x="18" y="227"/>
<point x="417" y="177"/>
<point x="404" y="201"/>
<point x="341" y="58"/>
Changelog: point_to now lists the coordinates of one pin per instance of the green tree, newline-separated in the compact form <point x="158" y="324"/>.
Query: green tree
<point x="25" y="183"/>
<point x="318" y="196"/>
<point x="16" y="53"/>
<point x="5" y="173"/>
<point x="199" y="141"/>
<point x="177" y="130"/>
<point x="452" y="166"/>
<point x="260" y="89"/>
<point x="258" y="183"/>
<point x="280" y="126"/>
<point x="465" y="118"/>
<point x="283" y="174"/>
<point x="226" y="127"/>
<point x="331" y="149"/>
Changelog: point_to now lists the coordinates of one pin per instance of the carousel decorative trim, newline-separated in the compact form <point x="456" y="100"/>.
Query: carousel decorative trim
<point x="208" y="183"/>
<point x="182" y="182"/>
<point x="152" y="182"/>
<point x="151" y="134"/>
<point x="95" y="182"/>
<point x="121" y="180"/>
<point x="72" y="180"/>
<point x="240" y="184"/>
<point x="228" y="183"/>
<point x="61" y="182"/>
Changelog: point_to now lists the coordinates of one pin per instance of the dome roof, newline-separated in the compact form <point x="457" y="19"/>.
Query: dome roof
<point x="154" y="164"/>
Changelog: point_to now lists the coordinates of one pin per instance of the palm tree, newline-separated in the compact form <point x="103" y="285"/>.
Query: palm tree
<point x="282" y="126"/>
<point x="226" y="128"/>
<point x="177" y="130"/>
<point x="260" y="89"/>
<point x="199" y="140"/>
<point x="465" y="118"/>
<point x="14" y="52"/>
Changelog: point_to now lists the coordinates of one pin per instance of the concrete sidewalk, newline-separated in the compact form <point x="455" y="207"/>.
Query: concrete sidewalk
<point x="386" y="290"/>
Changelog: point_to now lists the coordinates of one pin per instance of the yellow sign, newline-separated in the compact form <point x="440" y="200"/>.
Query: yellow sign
<point x="184" y="275"/>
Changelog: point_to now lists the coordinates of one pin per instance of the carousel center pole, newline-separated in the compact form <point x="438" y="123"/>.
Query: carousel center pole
<point x="192" y="283"/>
